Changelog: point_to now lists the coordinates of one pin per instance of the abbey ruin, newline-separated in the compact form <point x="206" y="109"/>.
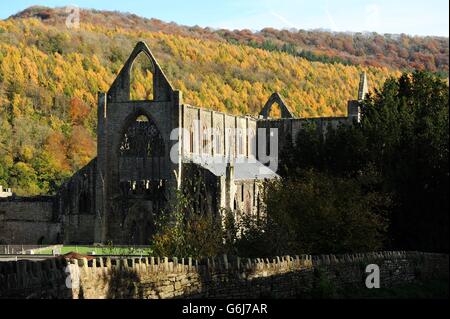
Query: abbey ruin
<point x="134" y="176"/>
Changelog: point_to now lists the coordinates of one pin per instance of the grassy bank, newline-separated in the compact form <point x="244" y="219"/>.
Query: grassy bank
<point x="89" y="250"/>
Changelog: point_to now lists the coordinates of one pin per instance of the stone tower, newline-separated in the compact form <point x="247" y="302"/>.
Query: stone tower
<point x="134" y="171"/>
<point x="353" y="106"/>
<point x="363" y="87"/>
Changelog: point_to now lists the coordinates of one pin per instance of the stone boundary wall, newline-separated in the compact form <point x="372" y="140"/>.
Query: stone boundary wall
<point x="28" y="220"/>
<point x="224" y="277"/>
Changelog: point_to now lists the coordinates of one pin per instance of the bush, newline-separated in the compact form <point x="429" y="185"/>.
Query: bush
<point x="326" y="214"/>
<point x="185" y="233"/>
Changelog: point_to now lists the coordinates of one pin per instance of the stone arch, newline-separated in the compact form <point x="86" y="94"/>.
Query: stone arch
<point x="275" y="111"/>
<point x="120" y="89"/>
<point x="139" y="221"/>
<point x="141" y="78"/>
<point x="276" y="98"/>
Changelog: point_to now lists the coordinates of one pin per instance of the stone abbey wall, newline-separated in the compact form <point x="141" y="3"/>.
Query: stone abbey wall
<point x="76" y="206"/>
<point x="28" y="220"/>
<point x="218" y="134"/>
<point x="161" y="278"/>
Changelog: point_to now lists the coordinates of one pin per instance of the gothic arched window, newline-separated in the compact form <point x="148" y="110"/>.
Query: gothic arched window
<point x="141" y="78"/>
<point x="141" y="156"/>
<point x="142" y="139"/>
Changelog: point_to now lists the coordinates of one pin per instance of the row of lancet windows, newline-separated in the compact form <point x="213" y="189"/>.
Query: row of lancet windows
<point x="243" y="145"/>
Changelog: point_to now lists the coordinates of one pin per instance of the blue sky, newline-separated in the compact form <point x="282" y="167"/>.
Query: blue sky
<point x="415" y="17"/>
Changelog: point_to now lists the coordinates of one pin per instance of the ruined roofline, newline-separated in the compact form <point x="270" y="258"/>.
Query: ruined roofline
<point x="327" y="118"/>
<point x="258" y="119"/>
<point x="253" y="117"/>
<point x="247" y="116"/>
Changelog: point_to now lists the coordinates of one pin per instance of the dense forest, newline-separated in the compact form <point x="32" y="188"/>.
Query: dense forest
<point x="50" y="76"/>
<point x="396" y="160"/>
<point x="397" y="51"/>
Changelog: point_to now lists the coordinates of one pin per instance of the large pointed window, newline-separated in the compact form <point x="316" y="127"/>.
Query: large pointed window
<point x="275" y="108"/>
<point x="141" y="78"/>
<point x="142" y="139"/>
<point x="142" y="160"/>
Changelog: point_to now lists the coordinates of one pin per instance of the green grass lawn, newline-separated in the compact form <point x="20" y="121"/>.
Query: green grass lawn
<point x="100" y="250"/>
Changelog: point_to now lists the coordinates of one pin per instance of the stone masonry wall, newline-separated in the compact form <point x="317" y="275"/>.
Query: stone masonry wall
<point x="161" y="278"/>
<point x="28" y="221"/>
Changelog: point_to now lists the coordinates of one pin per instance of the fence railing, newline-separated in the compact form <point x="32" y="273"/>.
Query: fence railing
<point x="81" y="249"/>
<point x="19" y="249"/>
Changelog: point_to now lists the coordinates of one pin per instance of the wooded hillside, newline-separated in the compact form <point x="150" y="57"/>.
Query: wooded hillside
<point x="50" y="76"/>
